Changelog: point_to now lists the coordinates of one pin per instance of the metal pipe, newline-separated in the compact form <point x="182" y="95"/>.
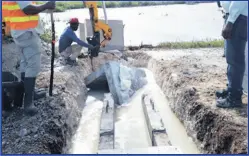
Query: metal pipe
<point x="104" y="9"/>
<point x="52" y="56"/>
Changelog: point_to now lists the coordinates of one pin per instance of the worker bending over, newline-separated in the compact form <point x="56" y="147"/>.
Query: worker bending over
<point x="66" y="49"/>
<point x="235" y="34"/>
<point x="25" y="30"/>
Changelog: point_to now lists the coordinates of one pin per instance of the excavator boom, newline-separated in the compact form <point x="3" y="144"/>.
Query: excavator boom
<point x="97" y="26"/>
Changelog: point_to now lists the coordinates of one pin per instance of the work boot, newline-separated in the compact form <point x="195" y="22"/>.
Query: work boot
<point x="233" y="99"/>
<point x="38" y="94"/>
<point x="221" y="94"/>
<point x="82" y="55"/>
<point x="29" y="86"/>
<point x="71" y="62"/>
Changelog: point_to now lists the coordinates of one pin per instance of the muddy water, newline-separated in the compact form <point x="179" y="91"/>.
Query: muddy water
<point x="130" y="127"/>
<point x="174" y="128"/>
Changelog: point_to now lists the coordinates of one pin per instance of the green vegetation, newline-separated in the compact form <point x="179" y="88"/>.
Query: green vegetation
<point x="182" y="45"/>
<point x="47" y="35"/>
<point x="193" y="44"/>
<point x="66" y="5"/>
<point x="63" y="6"/>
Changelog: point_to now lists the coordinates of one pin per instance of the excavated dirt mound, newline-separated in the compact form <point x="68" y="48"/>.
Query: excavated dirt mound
<point x="50" y="131"/>
<point x="189" y="79"/>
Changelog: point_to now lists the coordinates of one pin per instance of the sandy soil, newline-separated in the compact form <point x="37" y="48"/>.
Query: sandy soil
<point x="189" y="79"/>
<point x="50" y="131"/>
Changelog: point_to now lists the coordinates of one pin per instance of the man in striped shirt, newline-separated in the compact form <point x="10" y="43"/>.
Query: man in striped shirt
<point x="25" y="30"/>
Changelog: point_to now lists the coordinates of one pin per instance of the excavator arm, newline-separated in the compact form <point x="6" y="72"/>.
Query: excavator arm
<point x="97" y="26"/>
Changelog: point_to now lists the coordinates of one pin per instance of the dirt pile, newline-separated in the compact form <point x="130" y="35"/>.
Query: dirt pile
<point x="51" y="129"/>
<point x="189" y="83"/>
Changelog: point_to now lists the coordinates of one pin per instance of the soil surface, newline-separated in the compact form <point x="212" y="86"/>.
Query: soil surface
<point x="189" y="79"/>
<point x="49" y="131"/>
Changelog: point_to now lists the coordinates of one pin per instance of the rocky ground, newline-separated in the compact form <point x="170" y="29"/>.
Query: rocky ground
<point x="50" y="131"/>
<point x="189" y="79"/>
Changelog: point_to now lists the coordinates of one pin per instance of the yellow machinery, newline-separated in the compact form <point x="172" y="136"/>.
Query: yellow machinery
<point x="97" y="26"/>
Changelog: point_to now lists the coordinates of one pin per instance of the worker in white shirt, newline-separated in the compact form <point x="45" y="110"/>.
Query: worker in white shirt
<point x="235" y="34"/>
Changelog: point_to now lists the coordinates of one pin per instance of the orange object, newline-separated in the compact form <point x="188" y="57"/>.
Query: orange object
<point x="5" y="20"/>
<point x="98" y="25"/>
<point x="18" y="19"/>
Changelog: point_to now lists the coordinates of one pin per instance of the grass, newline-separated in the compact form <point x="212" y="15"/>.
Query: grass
<point x="66" y="5"/>
<point x="47" y="35"/>
<point x="63" y="6"/>
<point x="193" y="44"/>
<point x="182" y="45"/>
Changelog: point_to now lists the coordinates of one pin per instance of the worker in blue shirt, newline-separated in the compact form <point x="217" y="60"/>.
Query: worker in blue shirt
<point x="235" y="34"/>
<point x="66" y="49"/>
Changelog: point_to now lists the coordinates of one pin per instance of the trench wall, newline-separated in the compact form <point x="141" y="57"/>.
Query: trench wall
<point x="50" y="131"/>
<point x="212" y="131"/>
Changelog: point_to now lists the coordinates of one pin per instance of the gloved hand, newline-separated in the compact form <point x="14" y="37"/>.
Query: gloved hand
<point x="50" y="5"/>
<point x="96" y="47"/>
<point x="90" y="47"/>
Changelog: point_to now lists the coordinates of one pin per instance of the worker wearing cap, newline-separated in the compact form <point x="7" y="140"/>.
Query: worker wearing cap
<point x="235" y="34"/>
<point x="66" y="49"/>
<point x="25" y="30"/>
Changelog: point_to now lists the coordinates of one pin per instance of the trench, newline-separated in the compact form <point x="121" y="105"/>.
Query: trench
<point x="130" y="128"/>
<point x="176" y="130"/>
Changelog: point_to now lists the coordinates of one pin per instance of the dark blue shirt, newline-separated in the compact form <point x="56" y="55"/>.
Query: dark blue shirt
<point x="67" y="38"/>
